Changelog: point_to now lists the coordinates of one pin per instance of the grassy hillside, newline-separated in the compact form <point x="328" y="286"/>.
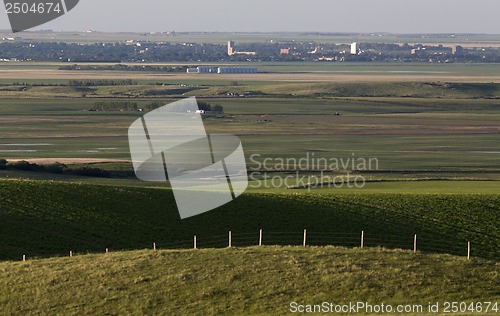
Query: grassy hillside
<point x="379" y="89"/>
<point x="438" y="90"/>
<point x="41" y="218"/>
<point x="250" y="281"/>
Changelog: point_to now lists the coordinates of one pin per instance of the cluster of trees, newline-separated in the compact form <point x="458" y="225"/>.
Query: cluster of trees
<point x="90" y="172"/>
<point x="134" y="106"/>
<point x="111" y="52"/>
<point x="207" y="107"/>
<point x="115" y="106"/>
<point x="100" y="82"/>
<point x="26" y="84"/>
<point x="195" y="53"/>
<point x="56" y="168"/>
<point x="153" y="106"/>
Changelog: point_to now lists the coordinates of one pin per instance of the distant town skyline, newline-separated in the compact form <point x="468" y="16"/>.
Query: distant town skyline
<point x="362" y="16"/>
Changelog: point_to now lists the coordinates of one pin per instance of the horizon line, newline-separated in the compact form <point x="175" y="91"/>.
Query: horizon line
<point x="250" y="32"/>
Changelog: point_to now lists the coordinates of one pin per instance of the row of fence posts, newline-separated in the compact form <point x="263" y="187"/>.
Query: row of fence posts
<point x="304" y="243"/>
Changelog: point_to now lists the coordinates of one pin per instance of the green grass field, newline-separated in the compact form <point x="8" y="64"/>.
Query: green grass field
<point x="41" y="218"/>
<point x="453" y="136"/>
<point x="254" y="281"/>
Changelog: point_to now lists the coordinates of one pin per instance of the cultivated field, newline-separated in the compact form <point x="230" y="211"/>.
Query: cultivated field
<point x="415" y="130"/>
<point x="275" y="72"/>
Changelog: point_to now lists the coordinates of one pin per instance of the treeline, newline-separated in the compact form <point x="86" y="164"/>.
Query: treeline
<point x="100" y="83"/>
<point x="122" y="67"/>
<point x="207" y="107"/>
<point x="109" y="106"/>
<point x="56" y="168"/>
<point x="28" y="84"/>
<point x="125" y="106"/>
<point x="111" y="52"/>
<point x="118" y="53"/>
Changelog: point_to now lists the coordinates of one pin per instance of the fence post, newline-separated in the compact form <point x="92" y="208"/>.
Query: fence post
<point x="154" y="246"/>
<point x="260" y="237"/>
<point x="305" y="236"/>
<point x="362" y="238"/>
<point x="107" y="250"/>
<point x="194" y="242"/>
<point x="230" y="239"/>
<point x="468" y="250"/>
<point x="24" y="257"/>
<point x="415" y="243"/>
<point x="71" y="253"/>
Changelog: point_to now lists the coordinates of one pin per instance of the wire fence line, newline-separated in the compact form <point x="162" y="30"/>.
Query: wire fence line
<point x="307" y="238"/>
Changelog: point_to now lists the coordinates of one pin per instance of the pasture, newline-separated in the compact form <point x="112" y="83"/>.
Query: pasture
<point x="448" y="130"/>
<point x="275" y="72"/>
<point x="257" y="280"/>
<point x="47" y="218"/>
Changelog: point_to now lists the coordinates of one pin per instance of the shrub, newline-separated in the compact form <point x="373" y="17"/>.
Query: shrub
<point x="55" y="168"/>
<point x="91" y="172"/>
<point x="205" y="106"/>
<point x="25" y="166"/>
<point x="217" y="108"/>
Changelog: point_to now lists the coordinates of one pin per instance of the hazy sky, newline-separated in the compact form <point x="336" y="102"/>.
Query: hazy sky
<point x="394" y="16"/>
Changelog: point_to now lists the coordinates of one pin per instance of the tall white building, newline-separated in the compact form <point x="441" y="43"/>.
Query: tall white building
<point x="230" y="48"/>
<point x="354" y="48"/>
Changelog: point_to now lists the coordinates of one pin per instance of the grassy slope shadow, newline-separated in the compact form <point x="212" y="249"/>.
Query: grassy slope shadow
<point x="45" y="218"/>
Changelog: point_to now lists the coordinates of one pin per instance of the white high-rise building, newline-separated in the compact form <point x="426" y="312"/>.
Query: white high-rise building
<point x="230" y="48"/>
<point x="354" y="48"/>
